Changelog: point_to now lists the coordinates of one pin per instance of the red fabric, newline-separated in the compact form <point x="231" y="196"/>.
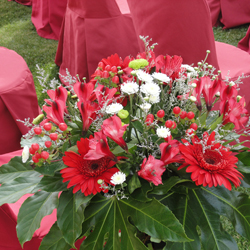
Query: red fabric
<point x="92" y="31"/>
<point x="215" y="11"/>
<point x="244" y="43"/>
<point x="235" y="12"/>
<point x="47" y="16"/>
<point x="18" y="99"/>
<point x="8" y="220"/>
<point x="177" y="26"/>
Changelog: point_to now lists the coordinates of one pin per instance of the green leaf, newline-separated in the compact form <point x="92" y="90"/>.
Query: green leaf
<point x="81" y="199"/>
<point x="141" y="194"/>
<point x="69" y="219"/>
<point x="138" y="125"/>
<point x="134" y="183"/>
<point x="16" y="168"/>
<point x="52" y="184"/>
<point x="212" y="117"/>
<point x="201" y="121"/>
<point x="31" y="213"/>
<point x="12" y="191"/>
<point x="54" y="240"/>
<point x="50" y="169"/>
<point x="108" y="216"/>
<point x="244" y="157"/>
<point x="213" y="126"/>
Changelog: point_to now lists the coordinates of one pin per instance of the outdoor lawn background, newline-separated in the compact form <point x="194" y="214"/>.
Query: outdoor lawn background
<point x="19" y="34"/>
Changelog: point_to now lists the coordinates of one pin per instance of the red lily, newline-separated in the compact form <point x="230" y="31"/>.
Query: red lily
<point x="84" y="90"/>
<point x="104" y="94"/>
<point x="112" y="128"/>
<point x="55" y="113"/>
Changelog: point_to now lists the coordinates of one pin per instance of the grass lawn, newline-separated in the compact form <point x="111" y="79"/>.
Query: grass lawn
<point x="19" y="34"/>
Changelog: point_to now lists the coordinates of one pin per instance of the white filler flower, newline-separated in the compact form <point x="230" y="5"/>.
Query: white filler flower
<point x="118" y="178"/>
<point x="143" y="76"/>
<point x="161" y="77"/>
<point x="25" y="154"/>
<point x="129" y="87"/>
<point x="150" y="88"/>
<point x="114" y="108"/>
<point x="163" y="132"/>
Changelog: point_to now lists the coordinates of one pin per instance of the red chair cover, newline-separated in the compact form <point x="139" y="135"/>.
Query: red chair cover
<point x="235" y="12"/>
<point x="47" y="16"/>
<point x="8" y="220"/>
<point x="92" y="31"/>
<point x="244" y="43"/>
<point x="177" y="26"/>
<point x="18" y="99"/>
<point x="215" y="11"/>
<point x="23" y="2"/>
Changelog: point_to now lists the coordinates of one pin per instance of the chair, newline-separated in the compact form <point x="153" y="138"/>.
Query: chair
<point x="92" y="31"/>
<point x="47" y="17"/>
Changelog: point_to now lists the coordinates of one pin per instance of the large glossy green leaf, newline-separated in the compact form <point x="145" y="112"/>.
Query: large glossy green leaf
<point x="54" y="240"/>
<point x="69" y="220"/>
<point x="81" y="199"/>
<point x="16" y="168"/>
<point x="50" y="169"/>
<point x="31" y="213"/>
<point x="52" y="183"/>
<point x="198" y="208"/>
<point x="141" y="194"/>
<point x="13" y="190"/>
<point x="111" y="215"/>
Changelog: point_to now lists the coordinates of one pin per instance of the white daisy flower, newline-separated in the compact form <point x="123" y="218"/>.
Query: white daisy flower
<point x="129" y="87"/>
<point x="154" y="99"/>
<point x="114" y="108"/>
<point x="163" y="132"/>
<point x="118" y="178"/>
<point x="143" y="76"/>
<point x="150" y="89"/>
<point x="145" y="106"/>
<point x="161" y="77"/>
<point x="25" y="154"/>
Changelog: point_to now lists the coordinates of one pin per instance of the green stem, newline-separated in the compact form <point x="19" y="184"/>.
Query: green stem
<point x="130" y="117"/>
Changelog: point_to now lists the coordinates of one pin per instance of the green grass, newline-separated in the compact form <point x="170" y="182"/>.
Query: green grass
<point x="19" y="34"/>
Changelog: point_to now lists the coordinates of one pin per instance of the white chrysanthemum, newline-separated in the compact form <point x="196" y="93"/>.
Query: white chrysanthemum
<point x="129" y="87"/>
<point x="163" y="132"/>
<point x="114" y="108"/>
<point x="25" y="154"/>
<point x="145" y="106"/>
<point x="118" y="178"/>
<point x="143" y="76"/>
<point x="161" y="77"/>
<point x="150" y="89"/>
<point x="154" y="99"/>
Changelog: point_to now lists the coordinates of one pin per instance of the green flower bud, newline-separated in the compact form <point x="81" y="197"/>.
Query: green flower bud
<point x="74" y="96"/>
<point x="238" y="98"/>
<point x="208" y="51"/>
<point x="138" y="64"/>
<point x="38" y="119"/>
<point x="100" y="181"/>
<point x="123" y="114"/>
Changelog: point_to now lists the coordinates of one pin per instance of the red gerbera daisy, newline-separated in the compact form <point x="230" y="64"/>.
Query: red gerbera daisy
<point x="209" y="162"/>
<point x="84" y="174"/>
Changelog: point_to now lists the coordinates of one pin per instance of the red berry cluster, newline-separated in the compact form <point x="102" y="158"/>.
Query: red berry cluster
<point x="107" y="71"/>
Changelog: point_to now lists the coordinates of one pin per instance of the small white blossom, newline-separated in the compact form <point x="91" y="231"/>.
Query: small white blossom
<point x="192" y="98"/>
<point x="193" y="85"/>
<point x="129" y="87"/>
<point x="188" y="68"/>
<point x="163" y="132"/>
<point x="145" y="106"/>
<point x="231" y="83"/>
<point x="161" y="77"/>
<point x="143" y="76"/>
<point x="114" y="108"/>
<point x="154" y="99"/>
<point x="150" y="89"/>
<point x="118" y="178"/>
<point x="217" y="94"/>
<point x="25" y="154"/>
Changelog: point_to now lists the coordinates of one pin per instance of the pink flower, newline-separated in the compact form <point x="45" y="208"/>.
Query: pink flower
<point x="104" y="94"/>
<point x="112" y="128"/>
<point x="152" y="170"/>
<point x="84" y="90"/>
<point x="55" y="113"/>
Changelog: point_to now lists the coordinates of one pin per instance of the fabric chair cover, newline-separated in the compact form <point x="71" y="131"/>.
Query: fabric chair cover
<point x="47" y="17"/>
<point x="235" y="12"/>
<point x="23" y="2"/>
<point x="215" y="11"/>
<point x="92" y="31"/>
<point x="177" y="26"/>
<point x="8" y="220"/>
<point x="244" y="43"/>
<point x="18" y="99"/>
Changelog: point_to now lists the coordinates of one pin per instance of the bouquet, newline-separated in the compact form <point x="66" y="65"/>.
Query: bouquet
<point x="146" y="155"/>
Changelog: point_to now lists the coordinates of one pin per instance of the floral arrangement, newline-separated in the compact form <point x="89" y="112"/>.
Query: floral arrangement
<point x="143" y="156"/>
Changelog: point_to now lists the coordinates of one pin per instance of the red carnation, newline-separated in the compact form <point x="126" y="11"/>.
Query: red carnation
<point x="152" y="170"/>
<point x="210" y="163"/>
<point x="84" y="174"/>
